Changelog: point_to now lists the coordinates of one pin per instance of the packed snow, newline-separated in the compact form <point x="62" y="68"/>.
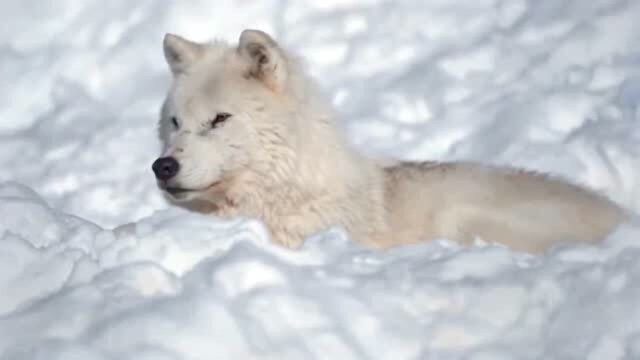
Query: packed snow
<point x="94" y="264"/>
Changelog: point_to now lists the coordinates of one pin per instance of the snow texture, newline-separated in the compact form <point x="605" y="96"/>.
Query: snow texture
<point x="550" y="85"/>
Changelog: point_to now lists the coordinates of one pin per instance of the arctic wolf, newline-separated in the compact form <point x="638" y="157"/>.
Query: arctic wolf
<point x="245" y="134"/>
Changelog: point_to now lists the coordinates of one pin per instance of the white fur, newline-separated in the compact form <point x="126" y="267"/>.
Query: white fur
<point x="281" y="159"/>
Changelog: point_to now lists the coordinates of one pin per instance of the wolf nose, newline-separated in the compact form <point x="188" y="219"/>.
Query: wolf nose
<point x="165" y="168"/>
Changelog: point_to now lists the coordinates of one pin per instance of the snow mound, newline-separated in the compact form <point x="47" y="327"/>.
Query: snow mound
<point x="184" y="286"/>
<point x="547" y="85"/>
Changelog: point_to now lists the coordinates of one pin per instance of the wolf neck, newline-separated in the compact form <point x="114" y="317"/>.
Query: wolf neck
<point x="306" y="158"/>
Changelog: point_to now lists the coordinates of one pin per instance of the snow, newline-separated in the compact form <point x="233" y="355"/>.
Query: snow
<point x="543" y="84"/>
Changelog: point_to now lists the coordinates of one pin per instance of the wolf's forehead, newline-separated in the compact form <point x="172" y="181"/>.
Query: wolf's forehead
<point x="207" y="78"/>
<point x="194" y="91"/>
<point x="192" y="105"/>
<point x="215" y="82"/>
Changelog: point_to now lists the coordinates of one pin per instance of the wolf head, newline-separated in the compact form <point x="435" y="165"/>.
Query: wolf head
<point x="225" y="112"/>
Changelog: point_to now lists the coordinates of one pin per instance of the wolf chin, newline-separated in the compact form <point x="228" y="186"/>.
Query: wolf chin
<point x="244" y="133"/>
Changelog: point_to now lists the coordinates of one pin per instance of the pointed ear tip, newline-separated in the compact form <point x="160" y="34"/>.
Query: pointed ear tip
<point x="253" y="34"/>
<point x="245" y="34"/>
<point x="249" y="32"/>
<point x="169" y="37"/>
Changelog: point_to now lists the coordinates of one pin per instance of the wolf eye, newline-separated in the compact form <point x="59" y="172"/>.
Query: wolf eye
<point x="219" y="119"/>
<point x="174" y="122"/>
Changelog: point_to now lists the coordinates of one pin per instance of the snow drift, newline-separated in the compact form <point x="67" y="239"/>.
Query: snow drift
<point x="546" y="85"/>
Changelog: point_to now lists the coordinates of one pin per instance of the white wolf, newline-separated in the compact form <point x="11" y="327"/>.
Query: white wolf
<point x="244" y="133"/>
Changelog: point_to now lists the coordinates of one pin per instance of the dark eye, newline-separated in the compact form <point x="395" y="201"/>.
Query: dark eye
<point x="174" y="122"/>
<point x="219" y="119"/>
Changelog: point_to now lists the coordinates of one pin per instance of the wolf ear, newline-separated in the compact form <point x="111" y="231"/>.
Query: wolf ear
<point x="180" y="53"/>
<point x="266" y="61"/>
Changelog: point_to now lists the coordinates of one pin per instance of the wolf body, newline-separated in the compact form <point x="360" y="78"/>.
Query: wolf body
<point x="246" y="134"/>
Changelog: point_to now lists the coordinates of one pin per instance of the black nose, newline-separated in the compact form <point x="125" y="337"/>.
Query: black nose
<point x="165" y="168"/>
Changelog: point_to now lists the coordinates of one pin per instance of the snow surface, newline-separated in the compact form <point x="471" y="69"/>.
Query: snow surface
<point x="551" y="85"/>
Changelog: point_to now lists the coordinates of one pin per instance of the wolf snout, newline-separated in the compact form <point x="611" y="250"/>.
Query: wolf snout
<point x="165" y="168"/>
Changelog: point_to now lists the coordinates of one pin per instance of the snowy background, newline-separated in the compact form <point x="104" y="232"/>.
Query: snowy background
<point x="95" y="265"/>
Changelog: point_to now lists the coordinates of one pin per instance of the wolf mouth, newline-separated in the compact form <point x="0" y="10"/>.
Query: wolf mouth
<point x="177" y="190"/>
<point x="174" y="190"/>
